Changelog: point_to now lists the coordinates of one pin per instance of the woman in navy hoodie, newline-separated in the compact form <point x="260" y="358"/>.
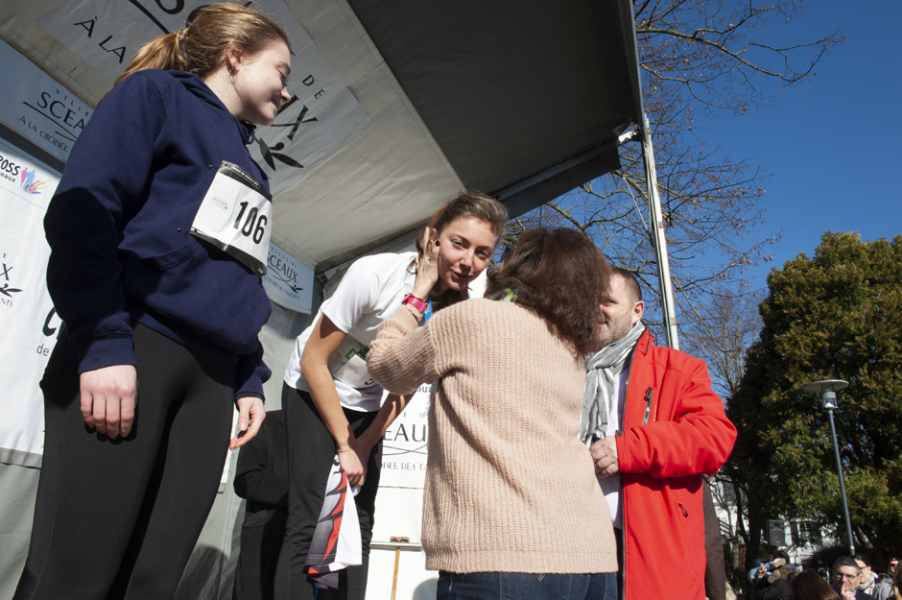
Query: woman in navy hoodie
<point x="158" y="234"/>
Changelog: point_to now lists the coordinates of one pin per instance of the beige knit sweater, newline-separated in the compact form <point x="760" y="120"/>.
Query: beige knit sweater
<point x="509" y="487"/>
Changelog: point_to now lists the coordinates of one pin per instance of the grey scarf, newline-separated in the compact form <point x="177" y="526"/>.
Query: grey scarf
<point x="602" y="369"/>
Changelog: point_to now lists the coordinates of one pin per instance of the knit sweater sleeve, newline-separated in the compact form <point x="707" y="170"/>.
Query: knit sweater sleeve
<point x="403" y="355"/>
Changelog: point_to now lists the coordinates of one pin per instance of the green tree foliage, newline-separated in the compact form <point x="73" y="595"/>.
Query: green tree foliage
<point x="837" y="315"/>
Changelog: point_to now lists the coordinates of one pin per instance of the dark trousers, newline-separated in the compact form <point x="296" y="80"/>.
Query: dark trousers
<point x="119" y="519"/>
<point x="621" y="560"/>
<point x="715" y="568"/>
<point x="261" y="543"/>
<point x="526" y="586"/>
<point x="311" y="451"/>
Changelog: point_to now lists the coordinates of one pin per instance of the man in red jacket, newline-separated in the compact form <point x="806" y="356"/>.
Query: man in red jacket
<point x="654" y="427"/>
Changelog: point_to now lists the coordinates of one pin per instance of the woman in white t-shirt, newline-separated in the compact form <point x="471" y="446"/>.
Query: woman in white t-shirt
<point x="332" y="406"/>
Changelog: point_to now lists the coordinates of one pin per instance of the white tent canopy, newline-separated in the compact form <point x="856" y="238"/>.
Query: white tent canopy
<point x="522" y="100"/>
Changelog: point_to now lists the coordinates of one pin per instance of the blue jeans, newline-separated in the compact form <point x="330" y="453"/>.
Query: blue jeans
<point x="526" y="586"/>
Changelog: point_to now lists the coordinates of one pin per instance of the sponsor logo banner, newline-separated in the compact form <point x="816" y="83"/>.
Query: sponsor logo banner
<point x="321" y="115"/>
<point x="38" y="108"/>
<point x="28" y="321"/>
<point x="287" y="282"/>
<point x="404" y="444"/>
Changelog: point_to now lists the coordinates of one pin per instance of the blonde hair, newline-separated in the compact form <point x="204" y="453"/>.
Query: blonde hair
<point x="469" y="205"/>
<point x="213" y="28"/>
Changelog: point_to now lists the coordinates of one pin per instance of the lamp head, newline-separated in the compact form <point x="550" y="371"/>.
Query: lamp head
<point x="826" y="390"/>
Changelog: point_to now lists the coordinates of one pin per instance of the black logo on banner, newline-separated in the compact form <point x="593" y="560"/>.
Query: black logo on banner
<point x="284" y="272"/>
<point x="51" y="326"/>
<point x="273" y="153"/>
<point x="107" y="45"/>
<point x="6" y="289"/>
<point x="66" y="115"/>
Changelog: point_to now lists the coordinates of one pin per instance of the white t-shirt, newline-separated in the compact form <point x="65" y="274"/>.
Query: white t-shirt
<point x="611" y="486"/>
<point x="370" y="292"/>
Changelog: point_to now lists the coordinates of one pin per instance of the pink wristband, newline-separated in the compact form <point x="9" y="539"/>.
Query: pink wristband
<point x="415" y="302"/>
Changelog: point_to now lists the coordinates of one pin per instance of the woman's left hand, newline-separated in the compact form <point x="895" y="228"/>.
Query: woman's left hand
<point x="250" y="416"/>
<point x="354" y="468"/>
<point x="363" y="449"/>
<point x="427" y="267"/>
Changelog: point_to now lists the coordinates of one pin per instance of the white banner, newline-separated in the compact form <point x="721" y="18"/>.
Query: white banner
<point x="320" y="116"/>
<point x="37" y="107"/>
<point x="404" y="444"/>
<point x="287" y="282"/>
<point x="27" y="319"/>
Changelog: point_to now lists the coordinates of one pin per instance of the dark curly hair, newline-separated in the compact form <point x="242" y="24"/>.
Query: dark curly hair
<point x="561" y="276"/>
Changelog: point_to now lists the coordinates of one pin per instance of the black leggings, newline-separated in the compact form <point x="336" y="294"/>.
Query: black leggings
<point x="119" y="519"/>
<point x="311" y="451"/>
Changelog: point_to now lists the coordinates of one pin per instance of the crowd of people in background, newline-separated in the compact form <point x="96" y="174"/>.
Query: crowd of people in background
<point x="849" y="578"/>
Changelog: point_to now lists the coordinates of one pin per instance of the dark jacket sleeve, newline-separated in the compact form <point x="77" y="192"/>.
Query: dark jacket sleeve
<point x="779" y="590"/>
<point x="104" y="183"/>
<point x="262" y="472"/>
<point x="251" y="374"/>
<point x="715" y="567"/>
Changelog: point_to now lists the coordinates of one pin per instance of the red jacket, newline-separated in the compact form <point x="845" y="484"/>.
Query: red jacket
<point x="674" y="430"/>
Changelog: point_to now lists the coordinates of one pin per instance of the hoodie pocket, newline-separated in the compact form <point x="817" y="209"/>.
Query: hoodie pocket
<point x="173" y="257"/>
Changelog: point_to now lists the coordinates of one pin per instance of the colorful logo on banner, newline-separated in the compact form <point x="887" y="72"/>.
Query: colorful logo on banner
<point x="30" y="183"/>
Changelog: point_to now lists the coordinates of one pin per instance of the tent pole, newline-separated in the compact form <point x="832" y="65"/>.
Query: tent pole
<point x="659" y="238"/>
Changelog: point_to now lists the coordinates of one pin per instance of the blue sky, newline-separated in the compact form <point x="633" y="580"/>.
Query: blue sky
<point x="833" y="144"/>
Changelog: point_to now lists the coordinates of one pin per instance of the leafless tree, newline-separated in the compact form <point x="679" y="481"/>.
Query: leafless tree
<point x="712" y="56"/>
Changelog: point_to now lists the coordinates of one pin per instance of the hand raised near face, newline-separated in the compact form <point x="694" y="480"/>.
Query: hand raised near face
<point x="427" y="266"/>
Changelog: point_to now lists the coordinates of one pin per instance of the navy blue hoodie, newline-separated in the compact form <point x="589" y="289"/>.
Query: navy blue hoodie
<point x="119" y="229"/>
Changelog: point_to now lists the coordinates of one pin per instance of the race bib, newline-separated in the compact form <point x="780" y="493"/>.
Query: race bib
<point x="348" y="364"/>
<point x="236" y="217"/>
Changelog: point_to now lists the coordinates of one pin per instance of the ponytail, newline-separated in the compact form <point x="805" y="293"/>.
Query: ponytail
<point x="211" y="30"/>
<point x="160" y="53"/>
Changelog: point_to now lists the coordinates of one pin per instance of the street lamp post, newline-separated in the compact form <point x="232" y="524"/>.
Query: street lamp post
<point x="826" y="390"/>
